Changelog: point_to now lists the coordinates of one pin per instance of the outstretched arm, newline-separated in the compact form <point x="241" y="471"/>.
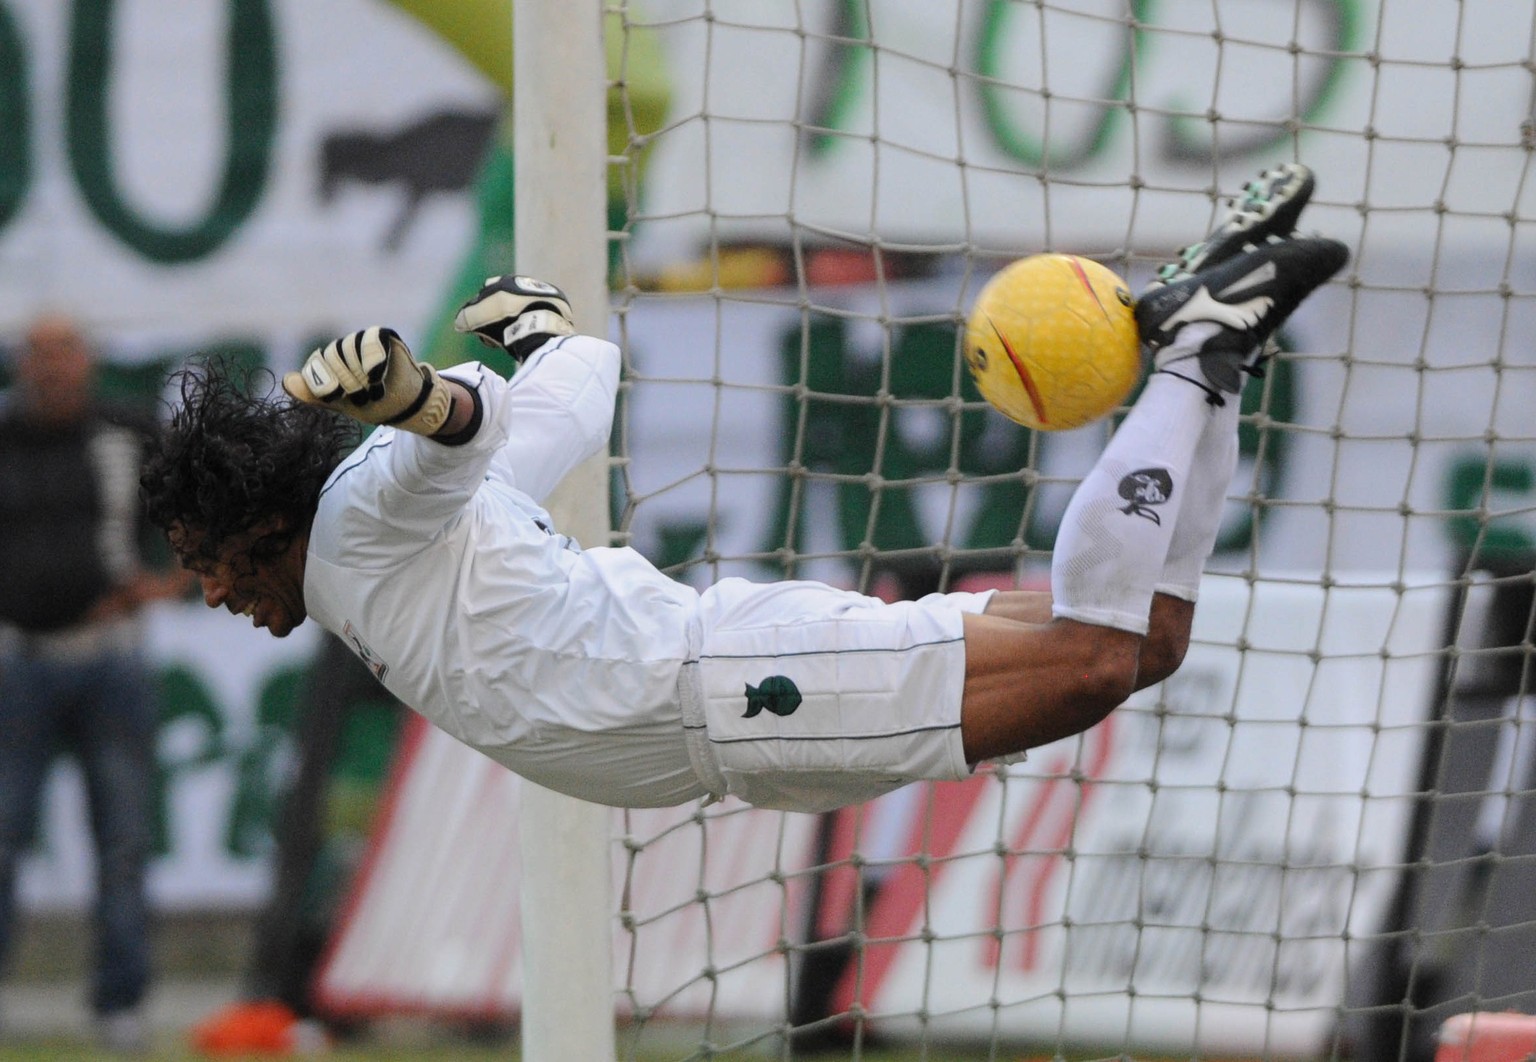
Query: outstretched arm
<point x="529" y="432"/>
<point x="561" y="401"/>
<point x="399" y="487"/>
<point x="560" y="413"/>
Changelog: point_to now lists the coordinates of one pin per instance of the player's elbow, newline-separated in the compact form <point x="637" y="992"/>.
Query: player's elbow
<point x="607" y="363"/>
<point x="594" y="403"/>
<point x="596" y="443"/>
<point x="605" y="401"/>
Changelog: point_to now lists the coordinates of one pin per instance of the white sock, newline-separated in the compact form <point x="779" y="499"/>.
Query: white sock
<point x="1114" y="537"/>
<point x="1205" y="501"/>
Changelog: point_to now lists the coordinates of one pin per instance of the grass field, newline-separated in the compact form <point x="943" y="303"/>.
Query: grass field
<point x="414" y="1041"/>
<point x="68" y="1051"/>
<point x="65" y="1051"/>
<point x="49" y="1021"/>
<point x="410" y="1042"/>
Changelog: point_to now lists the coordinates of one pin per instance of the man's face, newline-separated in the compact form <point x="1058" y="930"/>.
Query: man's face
<point x="257" y="573"/>
<point x="55" y="372"/>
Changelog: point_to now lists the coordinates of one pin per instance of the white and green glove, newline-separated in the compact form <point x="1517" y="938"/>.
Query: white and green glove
<point x="371" y="376"/>
<point x="516" y="314"/>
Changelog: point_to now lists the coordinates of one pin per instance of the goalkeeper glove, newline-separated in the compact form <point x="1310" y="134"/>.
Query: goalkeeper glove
<point x="516" y="314"/>
<point x="371" y="376"/>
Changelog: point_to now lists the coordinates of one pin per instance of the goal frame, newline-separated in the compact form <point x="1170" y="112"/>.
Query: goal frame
<point x="560" y="228"/>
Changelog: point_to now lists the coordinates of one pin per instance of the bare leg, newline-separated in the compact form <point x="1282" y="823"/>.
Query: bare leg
<point x="1021" y="606"/>
<point x="1029" y="684"/>
<point x="1167" y="636"/>
<point x="1122" y="582"/>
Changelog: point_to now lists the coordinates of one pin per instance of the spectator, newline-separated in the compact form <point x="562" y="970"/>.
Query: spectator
<point x="72" y="675"/>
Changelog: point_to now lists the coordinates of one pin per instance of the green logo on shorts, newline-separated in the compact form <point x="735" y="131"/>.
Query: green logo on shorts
<point x="776" y="693"/>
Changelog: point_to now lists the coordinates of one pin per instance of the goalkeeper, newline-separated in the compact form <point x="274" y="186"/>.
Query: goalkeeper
<point x="588" y="671"/>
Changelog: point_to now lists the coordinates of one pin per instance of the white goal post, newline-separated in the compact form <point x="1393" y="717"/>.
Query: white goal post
<point x="1314" y="841"/>
<point x="560" y="162"/>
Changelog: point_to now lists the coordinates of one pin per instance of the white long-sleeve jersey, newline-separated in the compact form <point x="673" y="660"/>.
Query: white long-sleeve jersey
<point x="440" y="569"/>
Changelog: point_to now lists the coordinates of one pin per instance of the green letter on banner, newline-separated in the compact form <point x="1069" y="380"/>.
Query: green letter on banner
<point x="252" y="99"/>
<point x="1035" y="151"/>
<point x="16" y="159"/>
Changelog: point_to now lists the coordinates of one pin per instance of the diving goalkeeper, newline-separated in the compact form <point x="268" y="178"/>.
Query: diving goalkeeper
<point x="588" y="671"/>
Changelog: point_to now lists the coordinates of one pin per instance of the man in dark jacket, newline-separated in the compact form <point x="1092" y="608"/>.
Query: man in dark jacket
<point x="72" y="675"/>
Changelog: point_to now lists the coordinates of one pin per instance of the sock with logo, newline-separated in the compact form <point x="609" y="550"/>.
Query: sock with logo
<point x="1205" y="499"/>
<point x="1115" y="535"/>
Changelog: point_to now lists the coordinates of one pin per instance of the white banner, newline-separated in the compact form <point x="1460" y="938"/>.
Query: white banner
<point x="1238" y="828"/>
<point x="433" y="924"/>
<point x="1056" y="111"/>
<point x="750" y="386"/>
<point x="237" y="169"/>
<point x="249" y="174"/>
<point x="235" y="176"/>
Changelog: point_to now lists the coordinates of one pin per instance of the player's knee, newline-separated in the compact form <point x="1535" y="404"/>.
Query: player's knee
<point x="1029" y="685"/>
<point x="1161" y="655"/>
<point x="1106" y="679"/>
<point x="1167" y="640"/>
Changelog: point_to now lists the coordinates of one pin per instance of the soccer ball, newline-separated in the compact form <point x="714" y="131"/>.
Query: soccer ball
<point x="1052" y="342"/>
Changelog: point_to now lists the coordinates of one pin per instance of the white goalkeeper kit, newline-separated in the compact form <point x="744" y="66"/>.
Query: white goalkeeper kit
<point x="589" y="671"/>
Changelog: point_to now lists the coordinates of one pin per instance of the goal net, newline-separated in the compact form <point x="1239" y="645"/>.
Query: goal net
<point x="1309" y="842"/>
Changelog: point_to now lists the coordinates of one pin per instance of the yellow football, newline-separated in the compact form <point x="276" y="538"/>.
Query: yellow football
<point x="1051" y="341"/>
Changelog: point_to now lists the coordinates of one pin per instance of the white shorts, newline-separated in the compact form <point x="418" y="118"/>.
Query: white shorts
<point x="806" y="698"/>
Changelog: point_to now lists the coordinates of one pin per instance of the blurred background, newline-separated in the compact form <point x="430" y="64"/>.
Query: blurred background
<point x="803" y="201"/>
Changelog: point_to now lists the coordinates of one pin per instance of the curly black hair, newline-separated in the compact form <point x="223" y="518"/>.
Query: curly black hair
<point x="238" y="451"/>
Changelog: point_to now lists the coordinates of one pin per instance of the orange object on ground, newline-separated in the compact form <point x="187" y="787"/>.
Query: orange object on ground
<point x="260" y="1027"/>
<point x="1487" y="1037"/>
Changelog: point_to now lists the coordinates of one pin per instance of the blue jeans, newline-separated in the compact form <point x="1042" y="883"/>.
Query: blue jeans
<point x="101" y="709"/>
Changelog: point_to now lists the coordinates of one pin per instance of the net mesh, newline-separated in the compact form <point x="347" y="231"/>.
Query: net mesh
<point x="1310" y="841"/>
